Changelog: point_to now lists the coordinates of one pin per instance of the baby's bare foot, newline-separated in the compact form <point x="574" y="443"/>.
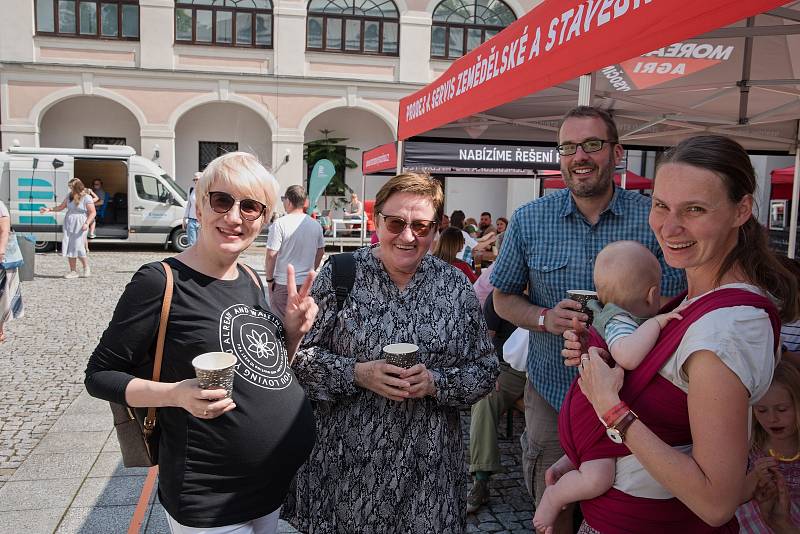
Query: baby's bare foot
<point x="546" y="512"/>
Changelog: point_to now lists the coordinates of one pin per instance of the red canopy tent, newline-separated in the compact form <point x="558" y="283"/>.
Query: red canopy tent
<point x="782" y="180"/>
<point x="632" y="181"/>
<point x="667" y="69"/>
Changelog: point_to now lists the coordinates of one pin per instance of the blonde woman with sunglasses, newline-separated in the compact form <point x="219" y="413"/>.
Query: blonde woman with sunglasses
<point x="225" y="462"/>
<point x="389" y="456"/>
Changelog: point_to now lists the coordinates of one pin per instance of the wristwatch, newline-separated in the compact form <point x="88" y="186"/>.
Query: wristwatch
<point x="616" y="432"/>
<point x="542" y="315"/>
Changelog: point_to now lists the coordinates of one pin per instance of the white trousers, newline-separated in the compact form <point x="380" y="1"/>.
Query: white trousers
<point x="267" y="524"/>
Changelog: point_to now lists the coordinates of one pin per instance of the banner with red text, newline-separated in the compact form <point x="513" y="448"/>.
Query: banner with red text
<point x="560" y="40"/>
<point x="380" y="158"/>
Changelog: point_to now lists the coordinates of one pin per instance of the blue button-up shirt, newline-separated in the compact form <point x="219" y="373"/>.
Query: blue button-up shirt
<point x="551" y="246"/>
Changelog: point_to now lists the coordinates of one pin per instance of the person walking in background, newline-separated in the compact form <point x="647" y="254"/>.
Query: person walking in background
<point x="294" y="239"/>
<point x="550" y="245"/>
<point x="99" y="199"/>
<point x="225" y="464"/>
<point x="10" y="287"/>
<point x="484" y="454"/>
<point x="190" y="223"/>
<point x="446" y="248"/>
<point x="389" y="456"/>
<point x="80" y="215"/>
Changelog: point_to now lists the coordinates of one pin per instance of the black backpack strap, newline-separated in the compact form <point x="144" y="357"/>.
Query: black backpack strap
<point x="343" y="276"/>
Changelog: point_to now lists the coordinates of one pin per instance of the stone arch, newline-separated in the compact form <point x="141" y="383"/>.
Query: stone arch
<point x="208" y="129"/>
<point x="40" y="109"/>
<point x="363" y="129"/>
<point x="366" y="105"/>
<point x="67" y="121"/>
<point x="192" y="103"/>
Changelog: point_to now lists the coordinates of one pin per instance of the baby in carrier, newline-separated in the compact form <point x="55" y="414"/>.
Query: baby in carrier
<point x="627" y="277"/>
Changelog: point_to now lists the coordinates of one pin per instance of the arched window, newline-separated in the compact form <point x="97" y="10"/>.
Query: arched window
<point x="353" y="26"/>
<point x="461" y="25"/>
<point x="245" y="23"/>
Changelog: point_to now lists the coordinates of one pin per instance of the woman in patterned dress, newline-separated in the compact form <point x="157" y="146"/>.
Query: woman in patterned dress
<point x="389" y="456"/>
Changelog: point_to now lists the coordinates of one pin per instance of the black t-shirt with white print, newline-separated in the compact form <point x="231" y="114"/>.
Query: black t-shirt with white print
<point x="238" y="466"/>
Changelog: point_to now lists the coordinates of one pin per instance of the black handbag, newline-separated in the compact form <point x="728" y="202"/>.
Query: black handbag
<point x="136" y="427"/>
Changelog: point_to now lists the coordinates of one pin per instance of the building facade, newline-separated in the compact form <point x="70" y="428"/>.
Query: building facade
<point x="182" y="81"/>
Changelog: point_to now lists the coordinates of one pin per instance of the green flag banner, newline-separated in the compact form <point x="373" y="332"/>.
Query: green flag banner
<point x="321" y="176"/>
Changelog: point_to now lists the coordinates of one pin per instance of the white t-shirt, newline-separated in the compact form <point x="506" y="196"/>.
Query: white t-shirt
<point x="296" y="237"/>
<point x="741" y="337"/>
<point x="3" y="210"/>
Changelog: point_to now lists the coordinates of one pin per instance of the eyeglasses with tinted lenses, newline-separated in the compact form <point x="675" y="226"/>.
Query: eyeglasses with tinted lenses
<point x="396" y="225"/>
<point x="222" y="202"/>
<point x="592" y="145"/>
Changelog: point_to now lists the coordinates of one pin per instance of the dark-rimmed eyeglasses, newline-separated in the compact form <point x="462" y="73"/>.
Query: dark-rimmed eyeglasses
<point x="222" y="202"/>
<point x="396" y="225"/>
<point x="592" y="145"/>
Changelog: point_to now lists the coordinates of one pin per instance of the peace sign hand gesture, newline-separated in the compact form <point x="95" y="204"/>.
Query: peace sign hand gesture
<point x="301" y="310"/>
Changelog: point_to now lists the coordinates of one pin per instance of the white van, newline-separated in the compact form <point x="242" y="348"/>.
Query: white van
<point x="142" y="203"/>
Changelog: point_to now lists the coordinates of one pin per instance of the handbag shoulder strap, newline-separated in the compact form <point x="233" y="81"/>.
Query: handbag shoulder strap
<point x="249" y="270"/>
<point x="150" y="418"/>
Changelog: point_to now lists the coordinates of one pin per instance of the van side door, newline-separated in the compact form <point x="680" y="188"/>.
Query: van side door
<point x="150" y="209"/>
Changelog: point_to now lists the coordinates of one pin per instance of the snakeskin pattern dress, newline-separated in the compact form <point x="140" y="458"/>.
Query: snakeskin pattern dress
<point x="381" y="466"/>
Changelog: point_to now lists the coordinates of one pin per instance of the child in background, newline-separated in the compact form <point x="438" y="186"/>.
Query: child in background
<point x="775" y="452"/>
<point x="627" y="277"/>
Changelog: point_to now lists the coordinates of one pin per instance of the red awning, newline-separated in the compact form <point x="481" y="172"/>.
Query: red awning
<point x="782" y="183"/>
<point x="559" y="40"/>
<point x="632" y="181"/>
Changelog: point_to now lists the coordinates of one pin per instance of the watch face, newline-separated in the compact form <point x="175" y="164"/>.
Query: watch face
<point x="614" y="435"/>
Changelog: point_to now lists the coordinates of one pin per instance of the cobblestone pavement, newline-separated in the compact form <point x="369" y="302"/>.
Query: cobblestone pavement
<point x="46" y="352"/>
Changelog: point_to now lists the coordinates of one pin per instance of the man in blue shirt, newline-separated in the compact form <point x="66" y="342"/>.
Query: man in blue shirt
<point x="550" y="247"/>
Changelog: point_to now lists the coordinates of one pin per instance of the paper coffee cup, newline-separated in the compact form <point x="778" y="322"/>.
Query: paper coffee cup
<point x="401" y="354"/>
<point x="215" y="370"/>
<point x="583" y="296"/>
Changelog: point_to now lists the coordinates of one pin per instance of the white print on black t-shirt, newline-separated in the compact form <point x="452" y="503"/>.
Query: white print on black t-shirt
<point x="251" y="335"/>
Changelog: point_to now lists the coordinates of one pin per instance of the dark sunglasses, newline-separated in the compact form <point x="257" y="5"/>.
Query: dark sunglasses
<point x="222" y="202"/>
<point x="396" y="225"/>
<point x="592" y="145"/>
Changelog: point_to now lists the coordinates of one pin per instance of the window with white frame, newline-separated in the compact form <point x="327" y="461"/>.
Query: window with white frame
<point x="353" y="26"/>
<point x="241" y="23"/>
<point x="93" y="19"/>
<point x="459" y="26"/>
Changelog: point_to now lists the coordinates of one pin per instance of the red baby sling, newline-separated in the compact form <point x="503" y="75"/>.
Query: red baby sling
<point x="665" y="412"/>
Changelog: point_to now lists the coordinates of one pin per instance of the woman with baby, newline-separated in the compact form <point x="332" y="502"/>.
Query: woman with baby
<point x="663" y="447"/>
